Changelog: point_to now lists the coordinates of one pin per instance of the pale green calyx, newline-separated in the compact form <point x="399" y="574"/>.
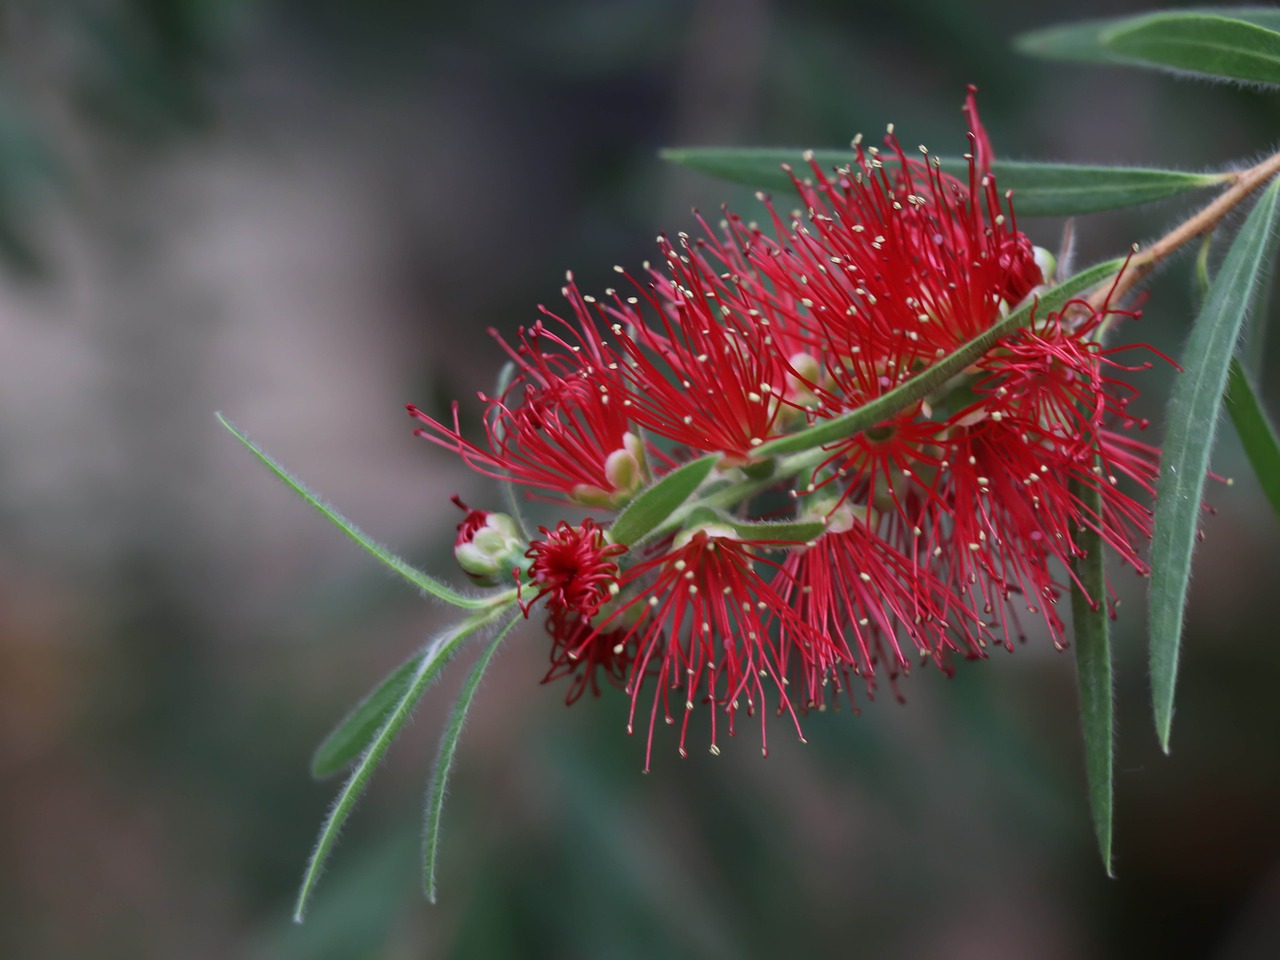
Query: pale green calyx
<point x="807" y="371"/>
<point x="493" y="551"/>
<point x="625" y="471"/>
<point x="1047" y="263"/>
<point x="713" y="530"/>
<point x="838" y="517"/>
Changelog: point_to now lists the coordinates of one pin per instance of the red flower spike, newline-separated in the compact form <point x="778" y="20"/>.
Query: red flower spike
<point x="575" y="572"/>
<point x="704" y="373"/>
<point x="855" y="587"/>
<point x="561" y="426"/>
<point x="897" y="265"/>
<point x="700" y="618"/>
<point x="943" y="520"/>
<point x="573" y="569"/>
<point x="1039" y="421"/>
<point x="582" y="653"/>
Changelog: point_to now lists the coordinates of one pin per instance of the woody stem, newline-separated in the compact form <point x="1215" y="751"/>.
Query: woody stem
<point x="1242" y="183"/>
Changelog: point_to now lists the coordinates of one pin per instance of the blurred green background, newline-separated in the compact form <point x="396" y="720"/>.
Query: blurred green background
<point x="308" y="213"/>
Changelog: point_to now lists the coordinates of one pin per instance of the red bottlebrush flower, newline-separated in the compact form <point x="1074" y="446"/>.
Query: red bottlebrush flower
<point x="853" y="586"/>
<point x="583" y="653"/>
<point x="700" y="619"/>
<point x="898" y="264"/>
<point x="937" y="517"/>
<point x="574" y="570"/>
<point x="708" y="373"/>
<point x="1040" y="422"/>
<point x="561" y="425"/>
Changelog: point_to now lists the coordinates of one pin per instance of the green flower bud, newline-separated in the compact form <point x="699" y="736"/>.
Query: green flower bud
<point x="489" y="546"/>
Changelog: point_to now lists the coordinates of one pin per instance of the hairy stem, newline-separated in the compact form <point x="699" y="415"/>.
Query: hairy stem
<point x="1242" y="184"/>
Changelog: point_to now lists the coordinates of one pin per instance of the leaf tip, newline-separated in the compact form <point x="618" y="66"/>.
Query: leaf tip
<point x="1027" y="42"/>
<point x="1164" y="724"/>
<point x="320" y="770"/>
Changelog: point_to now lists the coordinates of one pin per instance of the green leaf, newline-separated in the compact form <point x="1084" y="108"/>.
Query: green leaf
<point x="1192" y="418"/>
<point x="415" y="576"/>
<point x="1093" y="667"/>
<point x="1257" y="434"/>
<point x="928" y="380"/>
<point x="656" y="503"/>
<point x="1080" y="42"/>
<point x="432" y="660"/>
<point x="444" y="762"/>
<point x="1223" y="43"/>
<point x="1039" y="189"/>
<point x="352" y="736"/>
<point x="1203" y="44"/>
<point x="784" y="531"/>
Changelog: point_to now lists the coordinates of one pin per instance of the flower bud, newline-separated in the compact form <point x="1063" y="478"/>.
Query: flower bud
<point x="488" y="546"/>
<point x="1047" y="263"/>
<point x="839" y="515"/>
<point x="624" y="469"/>
<point x="807" y="374"/>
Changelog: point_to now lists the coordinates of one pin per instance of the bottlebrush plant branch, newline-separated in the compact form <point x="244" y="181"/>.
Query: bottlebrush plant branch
<point x="805" y="457"/>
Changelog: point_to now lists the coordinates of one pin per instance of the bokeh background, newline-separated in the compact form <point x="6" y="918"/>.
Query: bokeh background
<point x="306" y="213"/>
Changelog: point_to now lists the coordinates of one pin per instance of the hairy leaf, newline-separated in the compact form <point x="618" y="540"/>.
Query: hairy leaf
<point x="1192" y="418"/>
<point x="1257" y="433"/>
<point x="1093" y="669"/>
<point x="351" y="737"/>
<point x="444" y="762"/>
<point x="1204" y="44"/>
<point x="415" y="576"/>
<point x="1039" y="189"/>
<point x="659" y="501"/>
<point x="1218" y="43"/>
<point x="787" y="531"/>
<point x="433" y="659"/>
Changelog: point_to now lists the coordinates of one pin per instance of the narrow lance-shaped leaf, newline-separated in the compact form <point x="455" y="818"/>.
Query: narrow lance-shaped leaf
<point x="1220" y="43"/>
<point x="1206" y="45"/>
<point x="928" y="380"/>
<point x="783" y="531"/>
<point x="1192" y="418"/>
<point x="1257" y="434"/>
<point x="444" y="762"/>
<point x="1079" y="42"/>
<point x="1249" y="417"/>
<point x="433" y="659"/>
<point x="1093" y="668"/>
<point x="656" y="503"/>
<point x="1039" y="189"/>
<point x="1253" y="426"/>
<point x="351" y="737"/>
<point x="415" y="576"/>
